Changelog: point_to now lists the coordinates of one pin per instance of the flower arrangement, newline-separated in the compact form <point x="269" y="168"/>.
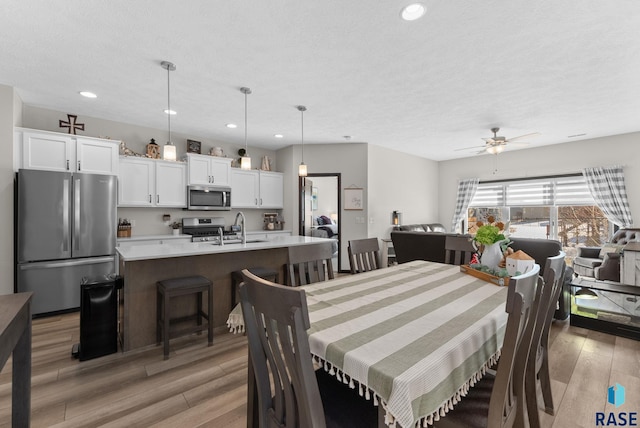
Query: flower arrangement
<point x="175" y="225"/>
<point x="490" y="233"/>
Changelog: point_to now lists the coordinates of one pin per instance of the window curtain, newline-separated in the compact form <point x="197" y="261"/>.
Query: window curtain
<point x="466" y="191"/>
<point x="606" y="185"/>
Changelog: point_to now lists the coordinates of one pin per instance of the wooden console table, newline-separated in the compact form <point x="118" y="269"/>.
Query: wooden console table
<point x="15" y="338"/>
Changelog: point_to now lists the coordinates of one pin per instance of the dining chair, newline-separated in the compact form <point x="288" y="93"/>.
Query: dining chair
<point x="458" y="250"/>
<point x="364" y="255"/>
<point x="495" y="401"/>
<point x="290" y="394"/>
<point x="553" y="276"/>
<point x="309" y="264"/>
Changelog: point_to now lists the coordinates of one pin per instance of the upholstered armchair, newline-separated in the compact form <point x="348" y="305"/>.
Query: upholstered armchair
<point x="603" y="263"/>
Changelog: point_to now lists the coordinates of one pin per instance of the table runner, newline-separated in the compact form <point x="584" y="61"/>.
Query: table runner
<point x="413" y="338"/>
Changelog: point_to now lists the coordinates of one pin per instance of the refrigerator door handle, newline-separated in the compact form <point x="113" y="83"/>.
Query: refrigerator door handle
<point x="78" y="262"/>
<point x="65" y="215"/>
<point x="76" y="216"/>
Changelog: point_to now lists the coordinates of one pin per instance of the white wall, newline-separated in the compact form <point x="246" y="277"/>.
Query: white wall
<point x="350" y="160"/>
<point x="401" y="182"/>
<point x="9" y="104"/>
<point x="548" y="160"/>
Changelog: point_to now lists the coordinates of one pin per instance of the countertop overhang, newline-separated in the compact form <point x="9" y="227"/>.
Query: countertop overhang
<point x="168" y="250"/>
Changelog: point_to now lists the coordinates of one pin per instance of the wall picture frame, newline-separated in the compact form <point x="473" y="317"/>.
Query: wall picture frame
<point x="354" y="198"/>
<point x="194" y="146"/>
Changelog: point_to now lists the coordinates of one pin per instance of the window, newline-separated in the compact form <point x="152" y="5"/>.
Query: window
<point x="558" y="208"/>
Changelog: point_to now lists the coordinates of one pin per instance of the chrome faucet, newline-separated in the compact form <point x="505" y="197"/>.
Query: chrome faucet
<point x="220" y="236"/>
<point x="243" y="233"/>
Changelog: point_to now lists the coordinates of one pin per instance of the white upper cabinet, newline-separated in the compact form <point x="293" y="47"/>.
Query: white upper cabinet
<point x="245" y="188"/>
<point x="68" y="153"/>
<point x="136" y="182"/>
<point x="97" y="156"/>
<point x="146" y="182"/>
<point x="271" y="189"/>
<point x="171" y="184"/>
<point x="209" y="170"/>
<point x="256" y="189"/>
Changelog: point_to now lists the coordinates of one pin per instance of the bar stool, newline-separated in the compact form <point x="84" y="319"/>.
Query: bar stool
<point x="169" y="288"/>
<point x="236" y="278"/>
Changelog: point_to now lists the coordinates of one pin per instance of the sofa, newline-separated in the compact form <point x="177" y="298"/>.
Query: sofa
<point x="603" y="263"/>
<point x="430" y="246"/>
<point x="425" y="227"/>
<point x="417" y="245"/>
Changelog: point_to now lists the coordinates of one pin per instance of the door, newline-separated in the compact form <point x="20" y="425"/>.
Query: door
<point x="56" y="284"/>
<point x="97" y="157"/>
<point x="94" y="215"/>
<point x="47" y="152"/>
<point x="136" y="183"/>
<point x="171" y="184"/>
<point x="43" y="215"/>
<point x="320" y="199"/>
<point x="199" y="170"/>
<point x="244" y="188"/>
<point x="271" y="189"/>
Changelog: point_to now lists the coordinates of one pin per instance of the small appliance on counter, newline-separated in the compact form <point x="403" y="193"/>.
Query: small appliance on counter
<point x="208" y="229"/>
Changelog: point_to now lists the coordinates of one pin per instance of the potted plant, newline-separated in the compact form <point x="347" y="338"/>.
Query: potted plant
<point x="490" y="241"/>
<point x="175" y="227"/>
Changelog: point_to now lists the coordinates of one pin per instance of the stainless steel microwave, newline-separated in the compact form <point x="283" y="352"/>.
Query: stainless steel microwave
<point x="209" y="198"/>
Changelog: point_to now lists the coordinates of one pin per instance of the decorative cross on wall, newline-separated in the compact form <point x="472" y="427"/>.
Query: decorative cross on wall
<point x="71" y="124"/>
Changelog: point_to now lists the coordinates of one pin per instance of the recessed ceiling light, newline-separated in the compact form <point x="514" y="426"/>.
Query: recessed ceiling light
<point x="413" y="11"/>
<point x="232" y="125"/>
<point x="278" y="135"/>
<point x="88" y="94"/>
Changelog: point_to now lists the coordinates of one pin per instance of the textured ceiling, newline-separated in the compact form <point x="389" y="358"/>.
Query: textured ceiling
<point x="427" y="87"/>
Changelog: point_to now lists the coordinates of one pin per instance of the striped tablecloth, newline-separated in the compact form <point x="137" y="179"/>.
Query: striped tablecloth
<point x="413" y="338"/>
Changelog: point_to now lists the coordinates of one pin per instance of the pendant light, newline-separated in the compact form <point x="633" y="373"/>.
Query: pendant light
<point x="302" y="168"/>
<point x="245" y="161"/>
<point x="169" y="150"/>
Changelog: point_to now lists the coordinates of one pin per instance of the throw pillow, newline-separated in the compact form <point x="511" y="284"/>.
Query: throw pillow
<point x="610" y="248"/>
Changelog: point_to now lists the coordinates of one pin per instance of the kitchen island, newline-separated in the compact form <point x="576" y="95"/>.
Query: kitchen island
<point x="144" y="265"/>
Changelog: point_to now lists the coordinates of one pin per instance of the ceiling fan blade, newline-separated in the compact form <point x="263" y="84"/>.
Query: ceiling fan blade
<point x="518" y="144"/>
<point x="470" y="148"/>
<point x="489" y="140"/>
<point x="523" y="136"/>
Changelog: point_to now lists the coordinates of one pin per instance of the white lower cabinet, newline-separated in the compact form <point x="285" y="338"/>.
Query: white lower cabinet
<point x="256" y="189"/>
<point x="152" y="183"/>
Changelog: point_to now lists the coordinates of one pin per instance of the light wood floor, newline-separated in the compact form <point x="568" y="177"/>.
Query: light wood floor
<point x="200" y="386"/>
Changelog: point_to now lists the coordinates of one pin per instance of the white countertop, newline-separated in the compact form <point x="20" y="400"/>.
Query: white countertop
<point x="167" y="250"/>
<point x="151" y="237"/>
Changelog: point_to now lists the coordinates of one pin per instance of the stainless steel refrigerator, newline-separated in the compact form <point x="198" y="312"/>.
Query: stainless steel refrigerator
<point x="65" y="230"/>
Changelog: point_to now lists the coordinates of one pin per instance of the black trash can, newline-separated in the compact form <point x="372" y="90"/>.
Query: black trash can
<point x="98" y="317"/>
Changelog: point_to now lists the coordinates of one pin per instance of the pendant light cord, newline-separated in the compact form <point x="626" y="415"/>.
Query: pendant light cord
<point x="302" y="132"/>
<point x="245" y="123"/>
<point x="169" y="100"/>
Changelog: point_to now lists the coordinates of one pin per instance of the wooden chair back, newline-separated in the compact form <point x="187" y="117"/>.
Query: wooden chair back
<point x="309" y="264"/>
<point x="507" y="394"/>
<point x="364" y="255"/>
<point x="277" y="319"/>
<point x="458" y="250"/>
<point x="538" y="368"/>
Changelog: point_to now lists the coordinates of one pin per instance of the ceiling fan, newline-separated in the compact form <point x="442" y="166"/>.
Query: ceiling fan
<point x="497" y="144"/>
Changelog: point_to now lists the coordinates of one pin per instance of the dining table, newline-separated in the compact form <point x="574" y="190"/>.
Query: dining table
<point x="412" y="338"/>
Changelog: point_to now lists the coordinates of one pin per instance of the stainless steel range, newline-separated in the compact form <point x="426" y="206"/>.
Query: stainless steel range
<point x="209" y="229"/>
